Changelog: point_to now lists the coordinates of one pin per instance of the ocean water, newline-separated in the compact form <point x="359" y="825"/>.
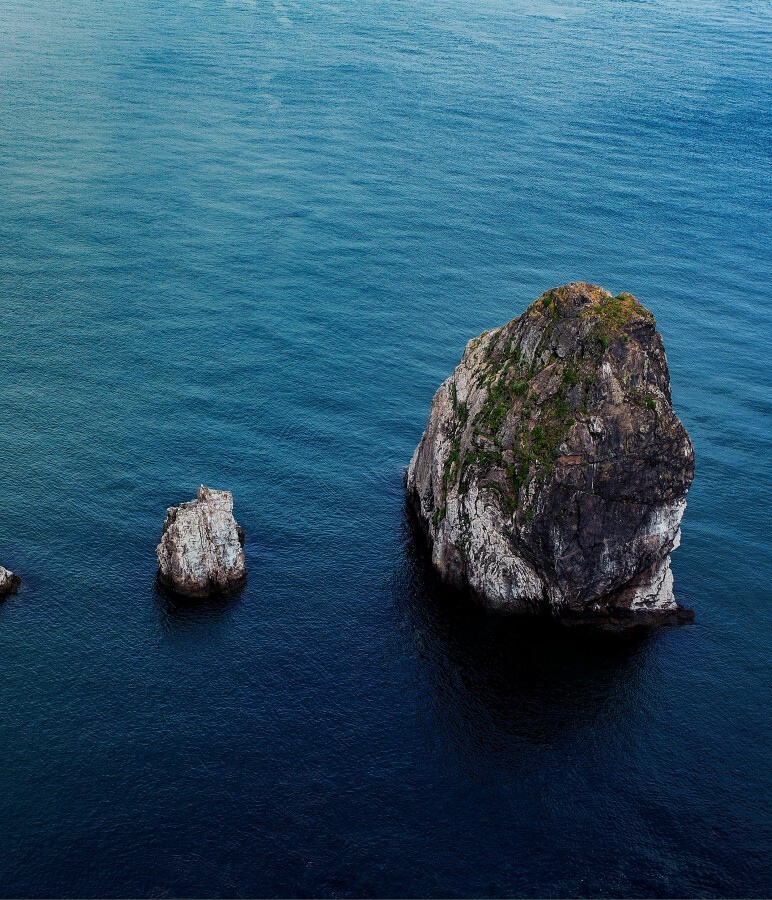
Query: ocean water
<point x="241" y="243"/>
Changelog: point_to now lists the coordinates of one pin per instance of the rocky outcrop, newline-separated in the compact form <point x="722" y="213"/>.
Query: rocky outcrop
<point x="9" y="583"/>
<point x="552" y="475"/>
<point x="201" y="553"/>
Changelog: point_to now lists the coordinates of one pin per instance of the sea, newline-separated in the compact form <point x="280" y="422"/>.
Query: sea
<point x="242" y="242"/>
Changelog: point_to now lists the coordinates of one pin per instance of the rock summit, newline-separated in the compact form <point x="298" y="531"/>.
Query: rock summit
<point x="201" y="553"/>
<point x="553" y="472"/>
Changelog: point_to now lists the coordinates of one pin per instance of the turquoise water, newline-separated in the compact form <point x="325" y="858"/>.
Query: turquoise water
<point x="241" y="243"/>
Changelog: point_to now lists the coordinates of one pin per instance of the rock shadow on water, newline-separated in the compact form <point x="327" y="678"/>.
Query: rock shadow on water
<point x="180" y="613"/>
<point x="495" y="682"/>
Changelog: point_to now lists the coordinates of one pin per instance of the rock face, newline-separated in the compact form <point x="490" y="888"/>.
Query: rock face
<point x="553" y="473"/>
<point x="201" y="553"/>
<point x="9" y="583"/>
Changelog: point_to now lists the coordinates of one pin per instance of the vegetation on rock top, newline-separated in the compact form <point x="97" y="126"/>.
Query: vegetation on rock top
<point x="528" y="401"/>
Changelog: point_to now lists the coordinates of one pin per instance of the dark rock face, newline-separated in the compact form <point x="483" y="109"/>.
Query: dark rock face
<point x="201" y="553"/>
<point x="9" y="583"/>
<point x="553" y="473"/>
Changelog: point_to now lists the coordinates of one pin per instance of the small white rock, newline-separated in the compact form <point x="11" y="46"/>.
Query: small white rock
<point x="201" y="547"/>
<point x="9" y="583"/>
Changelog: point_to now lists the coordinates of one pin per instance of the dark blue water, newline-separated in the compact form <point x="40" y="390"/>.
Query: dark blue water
<point x="241" y="243"/>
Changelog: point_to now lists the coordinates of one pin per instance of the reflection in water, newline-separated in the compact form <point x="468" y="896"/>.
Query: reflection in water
<point x="494" y="682"/>
<point x="181" y="613"/>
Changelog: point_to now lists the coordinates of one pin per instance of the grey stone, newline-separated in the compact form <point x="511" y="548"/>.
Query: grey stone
<point x="201" y="546"/>
<point x="9" y="583"/>
<point x="553" y="472"/>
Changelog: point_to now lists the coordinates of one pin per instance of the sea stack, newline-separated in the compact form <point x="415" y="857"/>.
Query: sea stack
<point x="201" y="553"/>
<point x="9" y="583"/>
<point x="553" y="472"/>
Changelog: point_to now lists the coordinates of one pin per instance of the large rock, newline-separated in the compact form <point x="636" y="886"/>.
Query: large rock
<point x="552" y="475"/>
<point x="201" y="547"/>
<point x="9" y="583"/>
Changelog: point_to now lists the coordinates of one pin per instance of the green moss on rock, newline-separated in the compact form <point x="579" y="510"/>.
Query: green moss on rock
<point x="526" y="409"/>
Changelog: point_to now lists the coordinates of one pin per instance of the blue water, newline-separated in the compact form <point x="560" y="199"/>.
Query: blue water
<point x="241" y="243"/>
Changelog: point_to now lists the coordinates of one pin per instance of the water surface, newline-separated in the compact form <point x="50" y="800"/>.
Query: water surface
<point x="241" y="243"/>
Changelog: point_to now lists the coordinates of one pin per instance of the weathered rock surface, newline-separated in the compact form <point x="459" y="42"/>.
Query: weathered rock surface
<point x="553" y="473"/>
<point x="201" y="547"/>
<point x="9" y="583"/>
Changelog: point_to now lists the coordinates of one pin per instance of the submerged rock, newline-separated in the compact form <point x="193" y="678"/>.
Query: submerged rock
<point x="9" y="583"/>
<point x="552" y="475"/>
<point x="201" y="547"/>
